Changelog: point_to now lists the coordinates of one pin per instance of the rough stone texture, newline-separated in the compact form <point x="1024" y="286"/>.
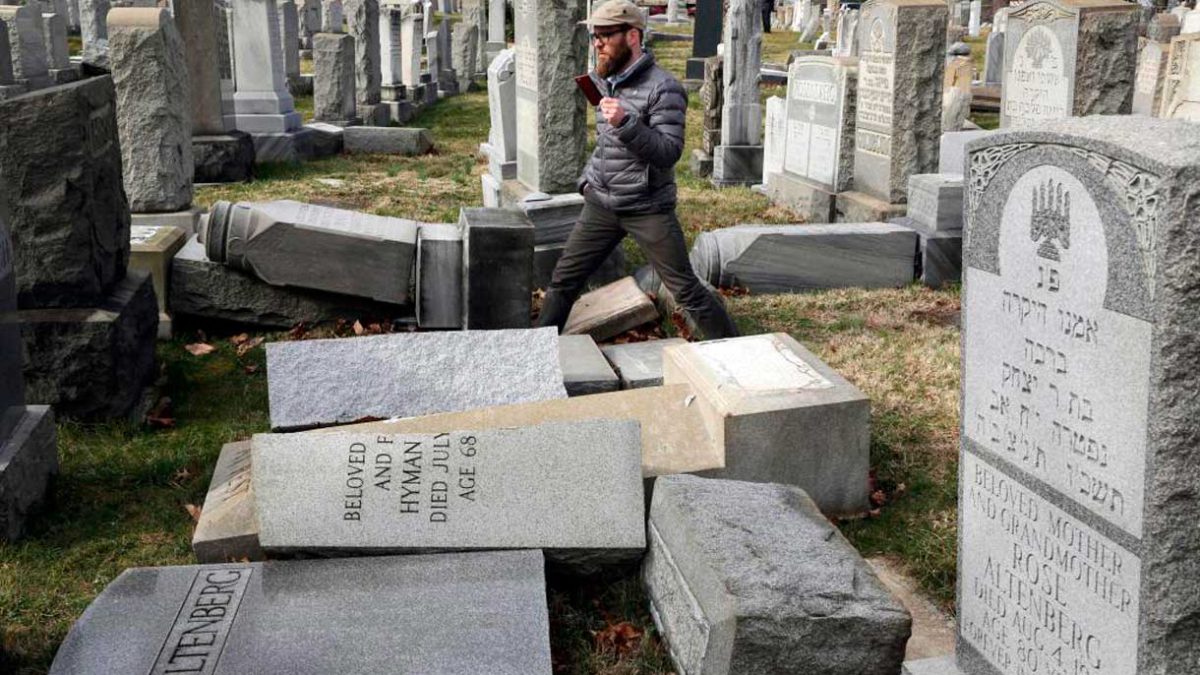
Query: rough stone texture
<point x="551" y="115"/>
<point x="1151" y="75"/>
<point x="362" y="21"/>
<point x="198" y="26"/>
<point x="228" y="526"/>
<point x="27" y="45"/>
<point x="93" y="15"/>
<point x="935" y="200"/>
<point x="610" y="310"/>
<point x="333" y="16"/>
<point x="751" y="578"/>
<point x="497" y="268"/>
<point x="933" y="631"/>
<point x="323" y="382"/>
<point x="639" y="364"/>
<point x="333" y="78"/>
<point x="712" y="101"/>
<point x="454" y="613"/>
<point x="474" y="13"/>
<point x="204" y="289"/>
<point x="898" y="114"/>
<point x="12" y="383"/>
<point x="781" y="414"/>
<point x="54" y="35"/>
<point x="741" y="115"/>
<point x="439" y="276"/>
<point x="1124" y="260"/>
<point x="790" y="258"/>
<point x="544" y="486"/>
<point x="388" y="140"/>
<point x="859" y="207"/>
<point x="1162" y="27"/>
<point x="585" y="370"/>
<point x="154" y="118"/>
<point x="60" y="172"/>
<point x="93" y="363"/>
<point x="28" y="465"/>
<point x="465" y="51"/>
<point x="227" y="158"/>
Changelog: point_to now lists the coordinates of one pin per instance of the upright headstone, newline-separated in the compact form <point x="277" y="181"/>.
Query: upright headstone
<point x="497" y="39"/>
<point x="975" y="18"/>
<point x="774" y="140"/>
<point x="1066" y="58"/>
<point x="1180" y="95"/>
<point x="501" y="148"/>
<point x="362" y="19"/>
<point x="310" y="21"/>
<point x="333" y="79"/>
<point x="898" y="110"/>
<point x="262" y="102"/>
<point x="738" y="160"/>
<point x="9" y="87"/>
<point x="93" y="26"/>
<point x="12" y="382"/>
<point x="54" y="36"/>
<point x="1150" y="78"/>
<point x="706" y="36"/>
<point x="475" y="14"/>
<point x="551" y="120"/>
<point x="1077" y="498"/>
<point x="391" y="54"/>
<point x="465" y="52"/>
<point x="289" y="36"/>
<point x="993" y="59"/>
<point x="412" y="37"/>
<point x="27" y="44"/>
<point x="333" y="17"/>
<point x="198" y="26"/>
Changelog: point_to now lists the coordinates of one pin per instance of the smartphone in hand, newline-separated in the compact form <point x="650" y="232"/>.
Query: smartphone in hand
<point x="588" y="86"/>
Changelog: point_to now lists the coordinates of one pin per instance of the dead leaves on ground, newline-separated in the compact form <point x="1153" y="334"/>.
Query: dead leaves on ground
<point x="621" y="639"/>
<point x="200" y="349"/>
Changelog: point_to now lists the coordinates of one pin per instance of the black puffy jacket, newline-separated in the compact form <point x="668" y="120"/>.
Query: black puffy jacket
<point x="632" y="170"/>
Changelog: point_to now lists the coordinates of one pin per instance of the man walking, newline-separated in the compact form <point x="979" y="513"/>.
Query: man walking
<point x="629" y="183"/>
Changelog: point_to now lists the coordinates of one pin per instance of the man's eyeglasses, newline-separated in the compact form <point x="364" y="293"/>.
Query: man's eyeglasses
<point x="608" y="35"/>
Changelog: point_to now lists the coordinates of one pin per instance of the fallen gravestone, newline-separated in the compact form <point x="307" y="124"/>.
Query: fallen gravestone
<point x="497" y="268"/>
<point x="452" y="613"/>
<point x="534" y="487"/>
<point x="639" y="364"/>
<point x="611" y="310"/>
<point x="585" y="370"/>
<point x="751" y="578"/>
<point x="227" y="529"/>
<point x="323" y="382"/>
<point x="439" y="284"/>
<point x="388" y="140"/>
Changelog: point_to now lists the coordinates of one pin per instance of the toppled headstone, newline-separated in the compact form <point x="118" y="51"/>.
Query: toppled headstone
<point x="228" y="526"/>
<point x="639" y="364"/>
<point x="388" y="140"/>
<point x="585" y="370"/>
<point x="542" y="487"/>
<point x="461" y="613"/>
<point x="751" y="578"/>
<point x="324" y="382"/>
<point x="152" y="250"/>
<point x="781" y="414"/>
<point x="790" y="258"/>
<point x="439" y="276"/>
<point x="497" y="268"/>
<point x="287" y="243"/>
<point x="611" y="310"/>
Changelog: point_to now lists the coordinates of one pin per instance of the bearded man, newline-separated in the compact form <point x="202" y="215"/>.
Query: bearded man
<point x="629" y="183"/>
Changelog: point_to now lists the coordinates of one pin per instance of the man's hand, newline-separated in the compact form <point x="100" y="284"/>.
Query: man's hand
<point x="613" y="113"/>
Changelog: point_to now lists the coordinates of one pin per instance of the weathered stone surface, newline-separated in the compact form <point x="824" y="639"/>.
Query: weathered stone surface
<point x="93" y="27"/>
<point x="502" y="108"/>
<point x="781" y="414"/>
<point x="935" y="200"/>
<point x="227" y="158"/>
<point x="333" y="78"/>
<point x="28" y="465"/>
<point x="1178" y="98"/>
<point x="388" y="140"/>
<point x="1079" y="272"/>
<point x="543" y="486"/>
<point x="228" y="526"/>
<point x="790" y="258"/>
<point x="898" y="113"/>
<point x="639" y="364"/>
<point x="323" y="382"/>
<point x="1162" y="27"/>
<point x="60" y="172"/>
<point x="289" y="41"/>
<point x="204" y="289"/>
<point x="804" y="601"/>
<point x="611" y="310"/>
<point x="1151" y="75"/>
<point x="551" y="121"/>
<point x="262" y="102"/>
<point x="497" y="268"/>
<point x="152" y="250"/>
<point x="54" y="36"/>
<point x="741" y="113"/>
<point x="362" y="21"/>
<point x="820" y="123"/>
<point x="1068" y="58"/>
<point x="93" y="363"/>
<point x="154" y="117"/>
<point x="198" y="28"/>
<point x="459" y="613"/>
<point x="465" y="50"/>
<point x="585" y="370"/>
<point x="439" y="276"/>
<point x="860" y="207"/>
<point x="12" y="382"/>
<point x="27" y="43"/>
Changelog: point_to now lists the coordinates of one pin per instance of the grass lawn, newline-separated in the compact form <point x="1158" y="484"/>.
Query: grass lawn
<point x="126" y="492"/>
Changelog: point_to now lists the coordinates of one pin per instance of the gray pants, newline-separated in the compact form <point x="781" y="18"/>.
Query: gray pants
<point x="659" y="235"/>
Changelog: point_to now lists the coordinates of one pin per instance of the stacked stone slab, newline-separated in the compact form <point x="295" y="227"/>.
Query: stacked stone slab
<point x="751" y="578"/>
<point x="93" y="27"/>
<point x="738" y="160"/>
<point x="501" y="146"/>
<point x="88" y="327"/>
<point x="333" y="79"/>
<point x="466" y="612"/>
<point x="1067" y="58"/>
<point x="899" y="105"/>
<point x="935" y="207"/>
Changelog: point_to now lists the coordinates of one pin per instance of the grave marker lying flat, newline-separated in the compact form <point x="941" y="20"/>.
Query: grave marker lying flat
<point x="322" y="382"/>
<point x="639" y="364"/>
<point x="585" y="370"/>
<point x="611" y="310"/>
<point x="452" y="613"/>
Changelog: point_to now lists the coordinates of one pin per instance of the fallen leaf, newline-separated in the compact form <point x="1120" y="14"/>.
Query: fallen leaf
<point x="298" y="331"/>
<point x="193" y="511"/>
<point x="358" y="328"/>
<point x="246" y="346"/>
<point x="200" y="348"/>
<point x="620" y="638"/>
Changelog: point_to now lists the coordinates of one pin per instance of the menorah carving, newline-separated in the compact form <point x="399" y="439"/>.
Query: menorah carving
<point x="1051" y="219"/>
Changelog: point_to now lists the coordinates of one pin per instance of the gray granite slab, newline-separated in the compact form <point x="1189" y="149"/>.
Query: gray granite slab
<point x="952" y="149"/>
<point x="439" y="276"/>
<point x="453" y="613"/>
<point x="497" y="268"/>
<point x="585" y="370"/>
<point x="639" y="364"/>
<point x="544" y="486"/>
<point x="388" y="140"/>
<point x="333" y="78"/>
<point x="751" y="578"/>
<point x="28" y="465"/>
<point x="12" y="382"/>
<point x="322" y="382"/>
<point x="935" y="200"/>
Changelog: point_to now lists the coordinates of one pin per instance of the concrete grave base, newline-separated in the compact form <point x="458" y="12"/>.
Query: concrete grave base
<point x="93" y="363"/>
<point x="184" y="220"/>
<point x="859" y="207"/>
<point x="809" y="201"/>
<point x="228" y="158"/>
<point x="553" y="216"/>
<point x="387" y="140"/>
<point x="28" y="465"/>
<point x="737" y="165"/>
<point x="941" y="258"/>
<point x="291" y="146"/>
<point x="325" y="139"/>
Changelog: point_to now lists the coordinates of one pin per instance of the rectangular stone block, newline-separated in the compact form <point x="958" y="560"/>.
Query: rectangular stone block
<point x="941" y="665"/>
<point x="28" y="465"/>
<point x="807" y="604"/>
<point x="941" y="258"/>
<point x="323" y="382"/>
<point x="388" y="140"/>
<point x="952" y="149"/>
<point x="935" y="200"/>
<point x="859" y="207"/>
<point x="553" y="216"/>
<point x="611" y="310"/>
<point x="333" y="78"/>
<point x="585" y="370"/>
<point x="781" y="414"/>
<point x="737" y="165"/>
<point x="820" y="123"/>
<point x="542" y="487"/>
<point x="639" y="364"/>
<point x="810" y="202"/>
<point x="228" y="526"/>
<point x="453" y="613"/>
<point x="791" y="258"/>
<point x="151" y="250"/>
<point x="439" y="276"/>
<point x="497" y="268"/>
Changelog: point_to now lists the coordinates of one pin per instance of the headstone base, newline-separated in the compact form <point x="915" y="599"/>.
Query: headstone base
<point x="326" y="139"/>
<point x="811" y="202"/>
<point x="941" y="665"/>
<point x="408" y="142"/>
<point x="695" y="68"/>
<point x="375" y="114"/>
<point x="268" y="124"/>
<point x="227" y="158"/>
<point x="291" y="147"/>
<point x="184" y="220"/>
<point x="701" y="163"/>
<point x="96" y="362"/>
<point x="737" y="165"/>
<point x="28" y="464"/>
<point x="553" y="216"/>
<point x="859" y="207"/>
<point x="64" y="75"/>
<point x="401" y="112"/>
